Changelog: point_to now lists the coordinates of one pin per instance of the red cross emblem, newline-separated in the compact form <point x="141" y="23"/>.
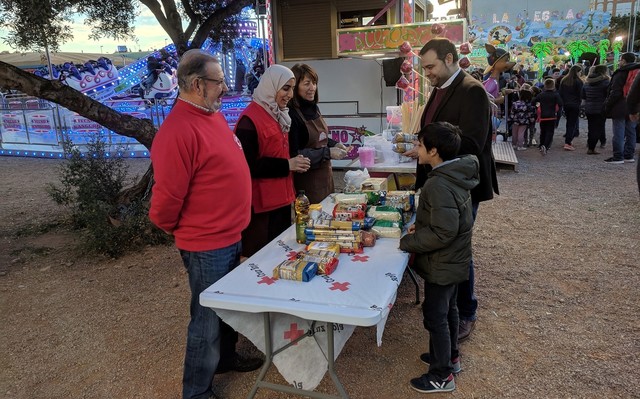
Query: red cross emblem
<point x="360" y="258"/>
<point x="266" y="280"/>
<point x="292" y="255"/>
<point x="293" y="333"/>
<point x="340" y="286"/>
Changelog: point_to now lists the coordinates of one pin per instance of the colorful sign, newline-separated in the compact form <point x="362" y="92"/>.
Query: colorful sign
<point x="387" y="38"/>
<point x="525" y="30"/>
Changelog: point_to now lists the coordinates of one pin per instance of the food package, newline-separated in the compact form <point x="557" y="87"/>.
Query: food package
<point x="347" y="243"/>
<point x="334" y="224"/>
<point x="404" y="138"/>
<point x="368" y="222"/>
<point x="374" y="184"/>
<point x="325" y="254"/>
<point x="315" y="210"/>
<point x="295" y="269"/>
<point x="382" y="212"/>
<point x="353" y="198"/>
<point x="401" y="148"/>
<point x="348" y="212"/>
<point x="368" y="238"/>
<point x="403" y="200"/>
<point x="387" y="229"/>
<point x="323" y="247"/>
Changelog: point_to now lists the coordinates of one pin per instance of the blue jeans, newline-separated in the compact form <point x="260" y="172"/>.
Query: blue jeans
<point x="467" y="301"/>
<point x="209" y="339"/>
<point x="624" y="139"/>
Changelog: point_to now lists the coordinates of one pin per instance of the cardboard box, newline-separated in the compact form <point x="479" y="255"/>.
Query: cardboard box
<point x="374" y="184"/>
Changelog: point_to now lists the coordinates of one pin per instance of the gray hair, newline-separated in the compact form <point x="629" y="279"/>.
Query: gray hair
<point x="193" y="64"/>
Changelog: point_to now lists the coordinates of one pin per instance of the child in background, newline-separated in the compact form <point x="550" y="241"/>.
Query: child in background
<point x="441" y="242"/>
<point x="550" y="102"/>
<point x="531" y="131"/>
<point x="521" y="115"/>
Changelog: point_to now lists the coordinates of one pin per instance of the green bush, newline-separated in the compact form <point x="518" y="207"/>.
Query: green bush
<point x="89" y="186"/>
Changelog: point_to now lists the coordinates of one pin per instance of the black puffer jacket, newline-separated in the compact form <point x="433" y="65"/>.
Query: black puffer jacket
<point x="615" y="106"/>
<point x="594" y="92"/>
<point x="444" y="221"/>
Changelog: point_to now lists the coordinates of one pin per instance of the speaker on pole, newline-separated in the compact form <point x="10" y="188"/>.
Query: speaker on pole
<point x="391" y="70"/>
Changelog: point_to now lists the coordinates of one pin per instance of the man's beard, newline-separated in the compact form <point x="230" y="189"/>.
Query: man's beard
<point x="214" y="106"/>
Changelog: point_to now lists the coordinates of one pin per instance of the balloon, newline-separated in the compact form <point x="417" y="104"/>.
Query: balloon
<point x="465" y="48"/>
<point x="464" y="63"/>
<point x="437" y="29"/>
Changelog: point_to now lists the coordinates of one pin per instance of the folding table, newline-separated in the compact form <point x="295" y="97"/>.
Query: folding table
<point x="302" y="326"/>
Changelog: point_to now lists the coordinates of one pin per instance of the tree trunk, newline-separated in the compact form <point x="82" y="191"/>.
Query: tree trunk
<point x="55" y="91"/>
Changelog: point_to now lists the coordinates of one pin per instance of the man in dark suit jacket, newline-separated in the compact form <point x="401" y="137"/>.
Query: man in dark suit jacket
<point x="461" y="100"/>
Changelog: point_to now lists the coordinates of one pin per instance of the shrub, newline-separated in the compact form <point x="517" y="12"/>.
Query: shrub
<point x="89" y="186"/>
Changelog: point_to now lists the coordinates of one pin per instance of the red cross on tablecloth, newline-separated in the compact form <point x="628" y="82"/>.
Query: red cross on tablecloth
<point x="360" y="258"/>
<point x="340" y="286"/>
<point x="266" y="280"/>
<point x="292" y="255"/>
<point x="293" y="333"/>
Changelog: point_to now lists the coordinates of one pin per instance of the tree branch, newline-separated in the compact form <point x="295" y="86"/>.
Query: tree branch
<point x="216" y="18"/>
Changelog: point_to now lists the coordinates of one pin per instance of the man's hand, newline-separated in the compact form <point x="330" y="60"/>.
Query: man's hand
<point x="411" y="229"/>
<point x="634" y="117"/>
<point x="412" y="153"/>
<point x="337" y="153"/>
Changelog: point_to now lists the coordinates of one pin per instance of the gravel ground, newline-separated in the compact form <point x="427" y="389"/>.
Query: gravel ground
<point x="557" y="280"/>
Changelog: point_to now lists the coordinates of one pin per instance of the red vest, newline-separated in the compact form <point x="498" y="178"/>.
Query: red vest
<point x="270" y="193"/>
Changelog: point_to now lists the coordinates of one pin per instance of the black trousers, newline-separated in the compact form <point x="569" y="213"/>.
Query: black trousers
<point x="596" y="124"/>
<point x="440" y="314"/>
<point x="547" y="129"/>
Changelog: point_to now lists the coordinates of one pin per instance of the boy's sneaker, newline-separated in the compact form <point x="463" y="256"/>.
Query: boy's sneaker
<point x="543" y="150"/>
<point x="614" y="161"/>
<point x="428" y="383"/>
<point x="457" y="368"/>
<point x="629" y="160"/>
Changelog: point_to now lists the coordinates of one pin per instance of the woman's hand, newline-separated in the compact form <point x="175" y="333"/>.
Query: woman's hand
<point x="411" y="229"/>
<point x="299" y="164"/>
<point x="412" y="153"/>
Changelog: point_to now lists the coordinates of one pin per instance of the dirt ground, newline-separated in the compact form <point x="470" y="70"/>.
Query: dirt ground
<point x="557" y="281"/>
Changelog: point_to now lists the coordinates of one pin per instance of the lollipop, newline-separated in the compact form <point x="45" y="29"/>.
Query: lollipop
<point x="406" y="66"/>
<point x="404" y="84"/>
<point x="437" y="29"/>
<point x="405" y="50"/>
<point x="464" y="63"/>
<point x="465" y="48"/>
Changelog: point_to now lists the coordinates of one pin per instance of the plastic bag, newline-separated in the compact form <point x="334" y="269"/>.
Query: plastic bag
<point x="353" y="180"/>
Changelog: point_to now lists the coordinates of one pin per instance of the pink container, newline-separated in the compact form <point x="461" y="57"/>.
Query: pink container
<point x="367" y="156"/>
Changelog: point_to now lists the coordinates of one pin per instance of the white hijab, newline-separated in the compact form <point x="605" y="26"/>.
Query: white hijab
<point x="270" y="83"/>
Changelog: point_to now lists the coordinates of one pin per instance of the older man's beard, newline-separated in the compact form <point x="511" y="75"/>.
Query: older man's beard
<point x="214" y="106"/>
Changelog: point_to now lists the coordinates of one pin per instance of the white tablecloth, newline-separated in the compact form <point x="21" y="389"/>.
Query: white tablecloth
<point x="360" y="292"/>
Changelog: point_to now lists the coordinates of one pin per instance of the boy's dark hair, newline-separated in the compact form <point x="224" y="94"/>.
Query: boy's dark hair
<point x="628" y="57"/>
<point x="549" y="84"/>
<point x="442" y="46"/>
<point x="442" y="136"/>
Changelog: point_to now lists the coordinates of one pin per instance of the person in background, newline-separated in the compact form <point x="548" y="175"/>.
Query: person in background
<point x="263" y="130"/>
<point x="570" y="92"/>
<point x="633" y="103"/>
<point x="522" y="113"/>
<point x="615" y="107"/>
<point x="441" y="242"/>
<point x="549" y="102"/>
<point x="460" y="100"/>
<point x="309" y="136"/>
<point x="188" y="151"/>
<point x="594" y="92"/>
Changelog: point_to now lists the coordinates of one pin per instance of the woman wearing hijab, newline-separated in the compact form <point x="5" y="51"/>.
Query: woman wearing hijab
<point x="263" y="131"/>
<point x="309" y="136"/>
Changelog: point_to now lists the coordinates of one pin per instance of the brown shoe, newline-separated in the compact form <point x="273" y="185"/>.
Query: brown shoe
<point x="240" y="364"/>
<point x="592" y="152"/>
<point x="465" y="329"/>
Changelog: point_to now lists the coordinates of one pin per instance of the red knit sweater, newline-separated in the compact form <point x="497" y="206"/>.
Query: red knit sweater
<point x="202" y="191"/>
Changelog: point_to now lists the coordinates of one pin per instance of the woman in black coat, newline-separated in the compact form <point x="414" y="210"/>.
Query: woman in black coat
<point x="594" y="92"/>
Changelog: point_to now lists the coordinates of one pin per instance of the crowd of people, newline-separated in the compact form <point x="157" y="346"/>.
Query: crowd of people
<point x="223" y="195"/>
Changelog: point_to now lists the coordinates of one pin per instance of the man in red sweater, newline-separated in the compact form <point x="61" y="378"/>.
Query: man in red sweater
<point x="202" y="196"/>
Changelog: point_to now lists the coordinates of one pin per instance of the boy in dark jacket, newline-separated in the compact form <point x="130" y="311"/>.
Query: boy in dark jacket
<point x="441" y="242"/>
<point x="550" y="102"/>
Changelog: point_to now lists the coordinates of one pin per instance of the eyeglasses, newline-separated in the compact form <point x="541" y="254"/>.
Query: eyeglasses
<point x="219" y="82"/>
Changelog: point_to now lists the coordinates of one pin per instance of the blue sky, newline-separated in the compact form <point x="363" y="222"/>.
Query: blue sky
<point x="147" y="30"/>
